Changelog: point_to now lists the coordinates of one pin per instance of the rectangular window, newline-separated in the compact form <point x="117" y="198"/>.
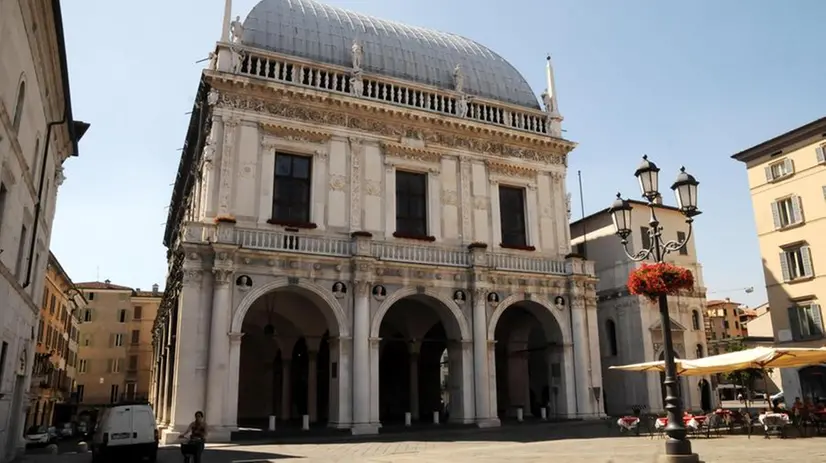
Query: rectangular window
<point x="806" y="321"/>
<point x="52" y="303"/>
<point x="90" y="296"/>
<point x="645" y="237"/>
<point x="21" y="252"/>
<point x="79" y="393"/>
<point x="117" y="340"/>
<point x="114" y="365"/>
<point x="122" y="316"/>
<point x="40" y="330"/>
<point x="136" y="336"/>
<point x="138" y="312"/>
<point x="681" y="238"/>
<point x="779" y="170"/>
<point x="820" y="151"/>
<point x="83" y="366"/>
<point x="787" y="212"/>
<point x="411" y="204"/>
<point x="87" y="315"/>
<point x="113" y="393"/>
<point x="796" y="262"/>
<point x="291" y="189"/>
<point x="131" y="389"/>
<point x="4" y="352"/>
<point x="133" y="362"/>
<point x="512" y="216"/>
<point x="3" y="195"/>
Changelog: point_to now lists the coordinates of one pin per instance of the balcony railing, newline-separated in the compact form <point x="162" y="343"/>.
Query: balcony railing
<point x="388" y="251"/>
<point x="276" y="67"/>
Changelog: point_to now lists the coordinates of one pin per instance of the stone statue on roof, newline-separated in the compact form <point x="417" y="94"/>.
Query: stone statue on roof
<point x="358" y="56"/>
<point x="237" y="29"/>
<point x="458" y="79"/>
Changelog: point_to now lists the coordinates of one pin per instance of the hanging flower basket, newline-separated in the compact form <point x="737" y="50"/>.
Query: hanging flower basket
<point x="655" y="280"/>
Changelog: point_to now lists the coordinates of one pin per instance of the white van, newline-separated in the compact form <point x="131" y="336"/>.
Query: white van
<point x="125" y="431"/>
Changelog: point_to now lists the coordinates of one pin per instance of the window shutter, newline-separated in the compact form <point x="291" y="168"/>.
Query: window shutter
<point x="821" y="153"/>
<point x="824" y="192"/>
<point x="769" y="177"/>
<point x="817" y="318"/>
<point x="109" y="366"/>
<point x="784" y="267"/>
<point x="806" y="255"/>
<point x="776" y="214"/>
<point x="794" y="322"/>
<point x="788" y="166"/>
<point x="797" y="208"/>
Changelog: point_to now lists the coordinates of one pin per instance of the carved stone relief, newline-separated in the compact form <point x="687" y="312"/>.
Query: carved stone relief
<point x="410" y="154"/>
<point x="356" y="149"/>
<point x="230" y="125"/>
<point x="338" y="182"/>
<point x="510" y="171"/>
<point x="372" y="188"/>
<point x="294" y="134"/>
<point x="292" y="108"/>
<point x="481" y="202"/>
<point x="465" y="172"/>
<point x="450" y="197"/>
<point x="247" y="170"/>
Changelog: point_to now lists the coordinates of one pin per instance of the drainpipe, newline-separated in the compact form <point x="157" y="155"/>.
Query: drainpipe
<point x="37" y="206"/>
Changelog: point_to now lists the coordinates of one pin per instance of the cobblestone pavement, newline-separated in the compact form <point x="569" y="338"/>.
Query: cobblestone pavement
<point x="570" y="443"/>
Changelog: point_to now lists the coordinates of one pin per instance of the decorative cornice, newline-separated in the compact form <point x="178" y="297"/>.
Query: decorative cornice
<point x="295" y="134"/>
<point x="364" y="116"/>
<point x="510" y="170"/>
<point x="409" y="153"/>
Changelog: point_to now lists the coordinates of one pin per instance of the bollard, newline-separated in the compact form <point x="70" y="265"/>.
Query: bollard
<point x="519" y="414"/>
<point x="272" y="422"/>
<point x="52" y="448"/>
<point x="544" y="413"/>
<point x="305" y="422"/>
<point x="435" y="417"/>
<point x="82" y="447"/>
<point x="408" y="419"/>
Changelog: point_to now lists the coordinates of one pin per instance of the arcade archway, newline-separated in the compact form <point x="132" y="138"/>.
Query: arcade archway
<point x="420" y="361"/>
<point x="529" y="361"/>
<point x="287" y="359"/>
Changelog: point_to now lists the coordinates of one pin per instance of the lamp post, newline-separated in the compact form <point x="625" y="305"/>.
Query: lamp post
<point x="677" y="447"/>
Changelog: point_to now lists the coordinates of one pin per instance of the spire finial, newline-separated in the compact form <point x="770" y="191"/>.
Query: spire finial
<point x="227" y="21"/>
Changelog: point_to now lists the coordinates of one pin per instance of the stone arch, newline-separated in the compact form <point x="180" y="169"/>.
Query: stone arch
<point x="313" y="290"/>
<point x="375" y="326"/>
<point x="519" y="297"/>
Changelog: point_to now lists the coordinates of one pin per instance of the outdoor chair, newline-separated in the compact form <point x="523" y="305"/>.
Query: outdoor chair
<point x="774" y="425"/>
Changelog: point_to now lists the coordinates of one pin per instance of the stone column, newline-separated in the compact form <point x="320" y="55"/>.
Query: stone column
<point x="375" y="347"/>
<point x="481" y="379"/>
<point x="172" y="345"/>
<point x="160" y="399"/>
<point x="218" y="351"/>
<point x="414" y="379"/>
<point x="231" y="410"/>
<point x="434" y="194"/>
<point x="361" y="358"/>
<point x="312" y="386"/>
<point x="531" y="207"/>
<point x="341" y="394"/>
<point x="286" y="389"/>
<point x="582" y="357"/>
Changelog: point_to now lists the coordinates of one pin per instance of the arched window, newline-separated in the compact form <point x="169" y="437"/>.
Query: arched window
<point x="699" y="351"/>
<point x="611" y="333"/>
<point x="695" y="320"/>
<point x="18" y="108"/>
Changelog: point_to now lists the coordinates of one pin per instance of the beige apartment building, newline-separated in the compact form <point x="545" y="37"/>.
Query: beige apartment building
<point x="115" y="358"/>
<point x="724" y="322"/>
<point x="787" y="180"/>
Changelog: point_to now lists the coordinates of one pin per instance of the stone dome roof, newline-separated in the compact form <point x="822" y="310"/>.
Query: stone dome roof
<point x="315" y="31"/>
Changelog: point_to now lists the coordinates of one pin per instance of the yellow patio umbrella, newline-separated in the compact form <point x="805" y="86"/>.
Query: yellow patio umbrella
<point x="658" y="366"/>
<point x="759" y="357"/>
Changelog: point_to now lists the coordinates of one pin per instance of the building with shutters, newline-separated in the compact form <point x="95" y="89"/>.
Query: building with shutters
<point x="38" y="133"/>
<point x="115" y="343"/>
<point x="787" y="180"/>
<point x="55" y="366"/>
<point x="369" y="220"/>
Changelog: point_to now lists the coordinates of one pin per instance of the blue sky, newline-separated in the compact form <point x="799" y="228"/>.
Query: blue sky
<point x="684" y="82"/>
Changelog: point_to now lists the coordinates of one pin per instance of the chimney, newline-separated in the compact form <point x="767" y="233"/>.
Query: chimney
<point x="137" y="290"/>
<point x="107" y="281"/>
<point x="155" y="288"/>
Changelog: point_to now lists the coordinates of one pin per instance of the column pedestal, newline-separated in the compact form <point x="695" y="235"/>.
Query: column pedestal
<point x="361" y="361"/>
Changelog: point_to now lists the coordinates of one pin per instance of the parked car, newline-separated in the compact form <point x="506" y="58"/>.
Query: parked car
<point x="125" y="431"/>
<point x="41" y="436"/>
<point x="66" y="430"/>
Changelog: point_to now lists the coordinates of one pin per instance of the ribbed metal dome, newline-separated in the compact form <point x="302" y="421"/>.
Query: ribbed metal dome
<point x="319" y="32"/>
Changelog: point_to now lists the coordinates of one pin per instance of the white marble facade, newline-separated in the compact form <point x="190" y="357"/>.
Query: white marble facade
<point x="339" y="316"/>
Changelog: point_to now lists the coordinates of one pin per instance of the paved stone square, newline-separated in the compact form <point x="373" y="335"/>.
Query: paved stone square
<point x="569" y="444"/>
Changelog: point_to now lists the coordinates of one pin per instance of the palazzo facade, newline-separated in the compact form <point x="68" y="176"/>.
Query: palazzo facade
<point x="370" y="220"/>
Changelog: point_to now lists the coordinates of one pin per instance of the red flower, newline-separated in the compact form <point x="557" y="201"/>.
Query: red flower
<point x="654" y="280"/>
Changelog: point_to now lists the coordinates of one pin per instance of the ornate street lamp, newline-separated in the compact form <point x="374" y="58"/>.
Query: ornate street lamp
<point x="685" y="189"/>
